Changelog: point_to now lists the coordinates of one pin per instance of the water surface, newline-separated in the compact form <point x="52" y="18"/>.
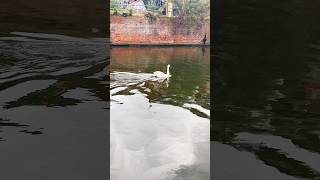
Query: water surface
<point x="53" y="117"/>
<point x="159" y="129"/>
<point x="266" y="90"/>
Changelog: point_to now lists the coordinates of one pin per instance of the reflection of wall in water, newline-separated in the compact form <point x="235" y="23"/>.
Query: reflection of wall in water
<point x="125" y="57"/>
<point x="70" y="17"/>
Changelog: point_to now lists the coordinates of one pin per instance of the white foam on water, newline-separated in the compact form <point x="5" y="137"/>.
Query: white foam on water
<point x="116" y="90"/>
<point x="198" y="108"/>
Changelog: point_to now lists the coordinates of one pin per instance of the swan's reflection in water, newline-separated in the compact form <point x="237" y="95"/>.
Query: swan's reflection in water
<point x="153" y="136"/>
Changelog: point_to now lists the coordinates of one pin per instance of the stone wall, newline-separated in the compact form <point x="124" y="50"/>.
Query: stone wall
<point x="162" y="31"/>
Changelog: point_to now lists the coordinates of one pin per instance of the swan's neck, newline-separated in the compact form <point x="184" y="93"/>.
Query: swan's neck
<point x="168" y="73"/>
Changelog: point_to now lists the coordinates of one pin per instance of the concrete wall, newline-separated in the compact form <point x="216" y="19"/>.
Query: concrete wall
<point x="140" y="30"/>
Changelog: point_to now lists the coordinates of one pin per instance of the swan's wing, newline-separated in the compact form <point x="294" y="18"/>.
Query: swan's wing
<point x="125" y="78"/>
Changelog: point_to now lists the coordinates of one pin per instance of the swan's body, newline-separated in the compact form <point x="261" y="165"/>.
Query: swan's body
<point x="160" y="74"/>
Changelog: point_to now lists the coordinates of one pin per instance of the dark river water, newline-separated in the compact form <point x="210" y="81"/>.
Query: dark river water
<point x="53" y="110"/>
<point x="160" y="127"/>
<point x="266" y="95"/>
<point x="54" y="90"/>
<point x="68" y="17"/>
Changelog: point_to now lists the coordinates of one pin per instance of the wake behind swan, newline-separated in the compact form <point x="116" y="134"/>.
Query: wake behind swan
<point x="128" y="78"/>
<point x="152" y="141"/>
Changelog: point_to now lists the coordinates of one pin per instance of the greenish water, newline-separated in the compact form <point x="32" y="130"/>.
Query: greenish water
<point x="190" y="70"/>
<point x="160" y="127"/>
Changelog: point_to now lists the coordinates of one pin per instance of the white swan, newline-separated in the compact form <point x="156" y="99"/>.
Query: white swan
<point x="160" y="74"/>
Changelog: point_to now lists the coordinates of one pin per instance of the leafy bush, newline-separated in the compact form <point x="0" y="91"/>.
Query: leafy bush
<point x="114" y="4"/>
<point x="115" y="12"/>
<point x="192" y="11"/>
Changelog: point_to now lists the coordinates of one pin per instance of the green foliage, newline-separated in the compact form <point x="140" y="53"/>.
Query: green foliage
<point x="115" y="9"/>
<point x="192" y="11"/>
<point x="151" y="5"/>
<point x="115" y="12"/>
<point x="113" y="4"/>
<point x="147" y="1"/>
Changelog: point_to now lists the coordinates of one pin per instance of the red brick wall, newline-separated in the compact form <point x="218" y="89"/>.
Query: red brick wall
<point x="138" y="30"/>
